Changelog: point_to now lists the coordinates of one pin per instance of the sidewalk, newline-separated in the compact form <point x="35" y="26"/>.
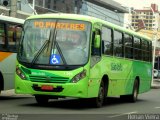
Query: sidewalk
<point x="11" y="93"/>
<point x="8" y="93"/>
<point x="156" y="84"/>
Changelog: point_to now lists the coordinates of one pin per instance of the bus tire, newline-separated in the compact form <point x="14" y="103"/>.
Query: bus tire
<point x="41" y="99"/>
<point x="99" y="100"/>
<point x="133" y="97"/>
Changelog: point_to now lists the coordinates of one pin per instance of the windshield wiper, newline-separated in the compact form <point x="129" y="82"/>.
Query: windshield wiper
<point x="46" y="43"/>
<point x="59" y="50"/>
<point x="40" y="51"/>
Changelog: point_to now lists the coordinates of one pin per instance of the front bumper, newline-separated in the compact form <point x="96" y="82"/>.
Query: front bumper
<point x="79" y="89"/>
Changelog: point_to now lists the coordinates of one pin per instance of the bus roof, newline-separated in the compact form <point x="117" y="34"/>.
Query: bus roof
<point x="11" y="19"/>
<point x="89" y="19"/>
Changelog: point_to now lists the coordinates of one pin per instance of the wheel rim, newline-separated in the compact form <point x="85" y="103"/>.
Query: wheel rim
<point x="101" y="95"/>
<point x="135" y="94"/>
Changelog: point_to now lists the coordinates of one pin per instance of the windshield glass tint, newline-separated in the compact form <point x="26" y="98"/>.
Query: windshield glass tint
<point x="55" y="42"/>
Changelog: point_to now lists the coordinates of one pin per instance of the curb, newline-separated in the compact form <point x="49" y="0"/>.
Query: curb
<point x="11" y="93"/>
<point x="155" y="87"/>
<point x="8" y="92"/>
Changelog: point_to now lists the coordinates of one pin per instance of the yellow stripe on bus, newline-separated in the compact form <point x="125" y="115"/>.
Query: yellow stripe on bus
<point x="4" y="55"/>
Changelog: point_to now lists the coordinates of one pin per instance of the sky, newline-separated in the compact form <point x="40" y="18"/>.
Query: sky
<point x="138" y="4"/>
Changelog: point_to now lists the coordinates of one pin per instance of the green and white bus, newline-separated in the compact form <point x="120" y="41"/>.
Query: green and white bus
<point x="9" y="36"/>
<point x="68" y="55"/>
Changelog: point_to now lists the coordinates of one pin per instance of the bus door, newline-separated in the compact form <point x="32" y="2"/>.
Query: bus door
<point x="95" y="71"/>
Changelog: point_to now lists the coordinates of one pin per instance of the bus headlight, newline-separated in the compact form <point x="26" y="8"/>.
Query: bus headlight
<point x="20" y="73"/>
<point x="79" y="76"/>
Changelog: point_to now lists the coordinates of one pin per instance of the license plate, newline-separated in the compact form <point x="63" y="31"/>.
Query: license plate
<point x="46" y="87"/>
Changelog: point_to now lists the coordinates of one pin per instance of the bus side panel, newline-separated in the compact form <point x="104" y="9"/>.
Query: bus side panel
<point x="123" y="73"/>
<point x="120" y="75"/>
<point x="119" y="72"/>
<point x="7" y="67"/>
<point x="144" y="71"/>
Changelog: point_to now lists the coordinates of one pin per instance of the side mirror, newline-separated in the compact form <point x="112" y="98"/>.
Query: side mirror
<point x="97" y="41"/>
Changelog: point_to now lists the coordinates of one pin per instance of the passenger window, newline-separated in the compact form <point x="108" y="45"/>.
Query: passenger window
<point x="137" y="49"/>
<point x="107" y="41"/>
<point x="118" y="44"/>
<point x="96" y="51"/>
<point x="145" y="50"/>
<point x="2" y="36"/>
<point x="128" y="46"/>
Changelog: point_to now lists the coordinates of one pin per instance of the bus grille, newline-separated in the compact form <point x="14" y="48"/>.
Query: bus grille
<point x="46" y="79"/>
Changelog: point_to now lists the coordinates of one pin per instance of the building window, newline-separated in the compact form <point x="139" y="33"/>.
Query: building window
<point x="151" y="13"/>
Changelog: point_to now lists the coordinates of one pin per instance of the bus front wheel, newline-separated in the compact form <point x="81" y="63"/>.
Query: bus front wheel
<point x="99" y="100"/>
<point x="41" y="99"/>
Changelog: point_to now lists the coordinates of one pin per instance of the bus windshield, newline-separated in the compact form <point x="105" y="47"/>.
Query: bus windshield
<point x="55" y="42"/>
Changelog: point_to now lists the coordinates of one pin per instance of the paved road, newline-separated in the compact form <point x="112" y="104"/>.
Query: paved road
<point x="25" y="107"/>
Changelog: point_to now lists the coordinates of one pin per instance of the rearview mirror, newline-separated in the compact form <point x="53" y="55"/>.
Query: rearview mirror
<point x="97" y="41"/>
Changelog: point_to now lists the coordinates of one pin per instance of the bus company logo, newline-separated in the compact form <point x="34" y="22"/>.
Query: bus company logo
<point x="116" y="67"/>
<point x="68" y="73"/>
<point x="38" y="73"/>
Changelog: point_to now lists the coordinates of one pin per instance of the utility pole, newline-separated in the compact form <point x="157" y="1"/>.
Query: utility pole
<point x="13" y="8"/>
<point x="155" y="32"/>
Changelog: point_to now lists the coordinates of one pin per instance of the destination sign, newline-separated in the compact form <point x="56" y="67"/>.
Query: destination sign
<point x="60" y="25"/>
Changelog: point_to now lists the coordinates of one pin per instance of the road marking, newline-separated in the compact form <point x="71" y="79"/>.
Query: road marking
<point x="123" y="114"/>
<point x="157" y="107"/>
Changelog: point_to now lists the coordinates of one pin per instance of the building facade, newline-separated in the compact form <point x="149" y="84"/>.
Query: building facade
<point x="149" y="15"/>
<point x="107" y="10"/>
